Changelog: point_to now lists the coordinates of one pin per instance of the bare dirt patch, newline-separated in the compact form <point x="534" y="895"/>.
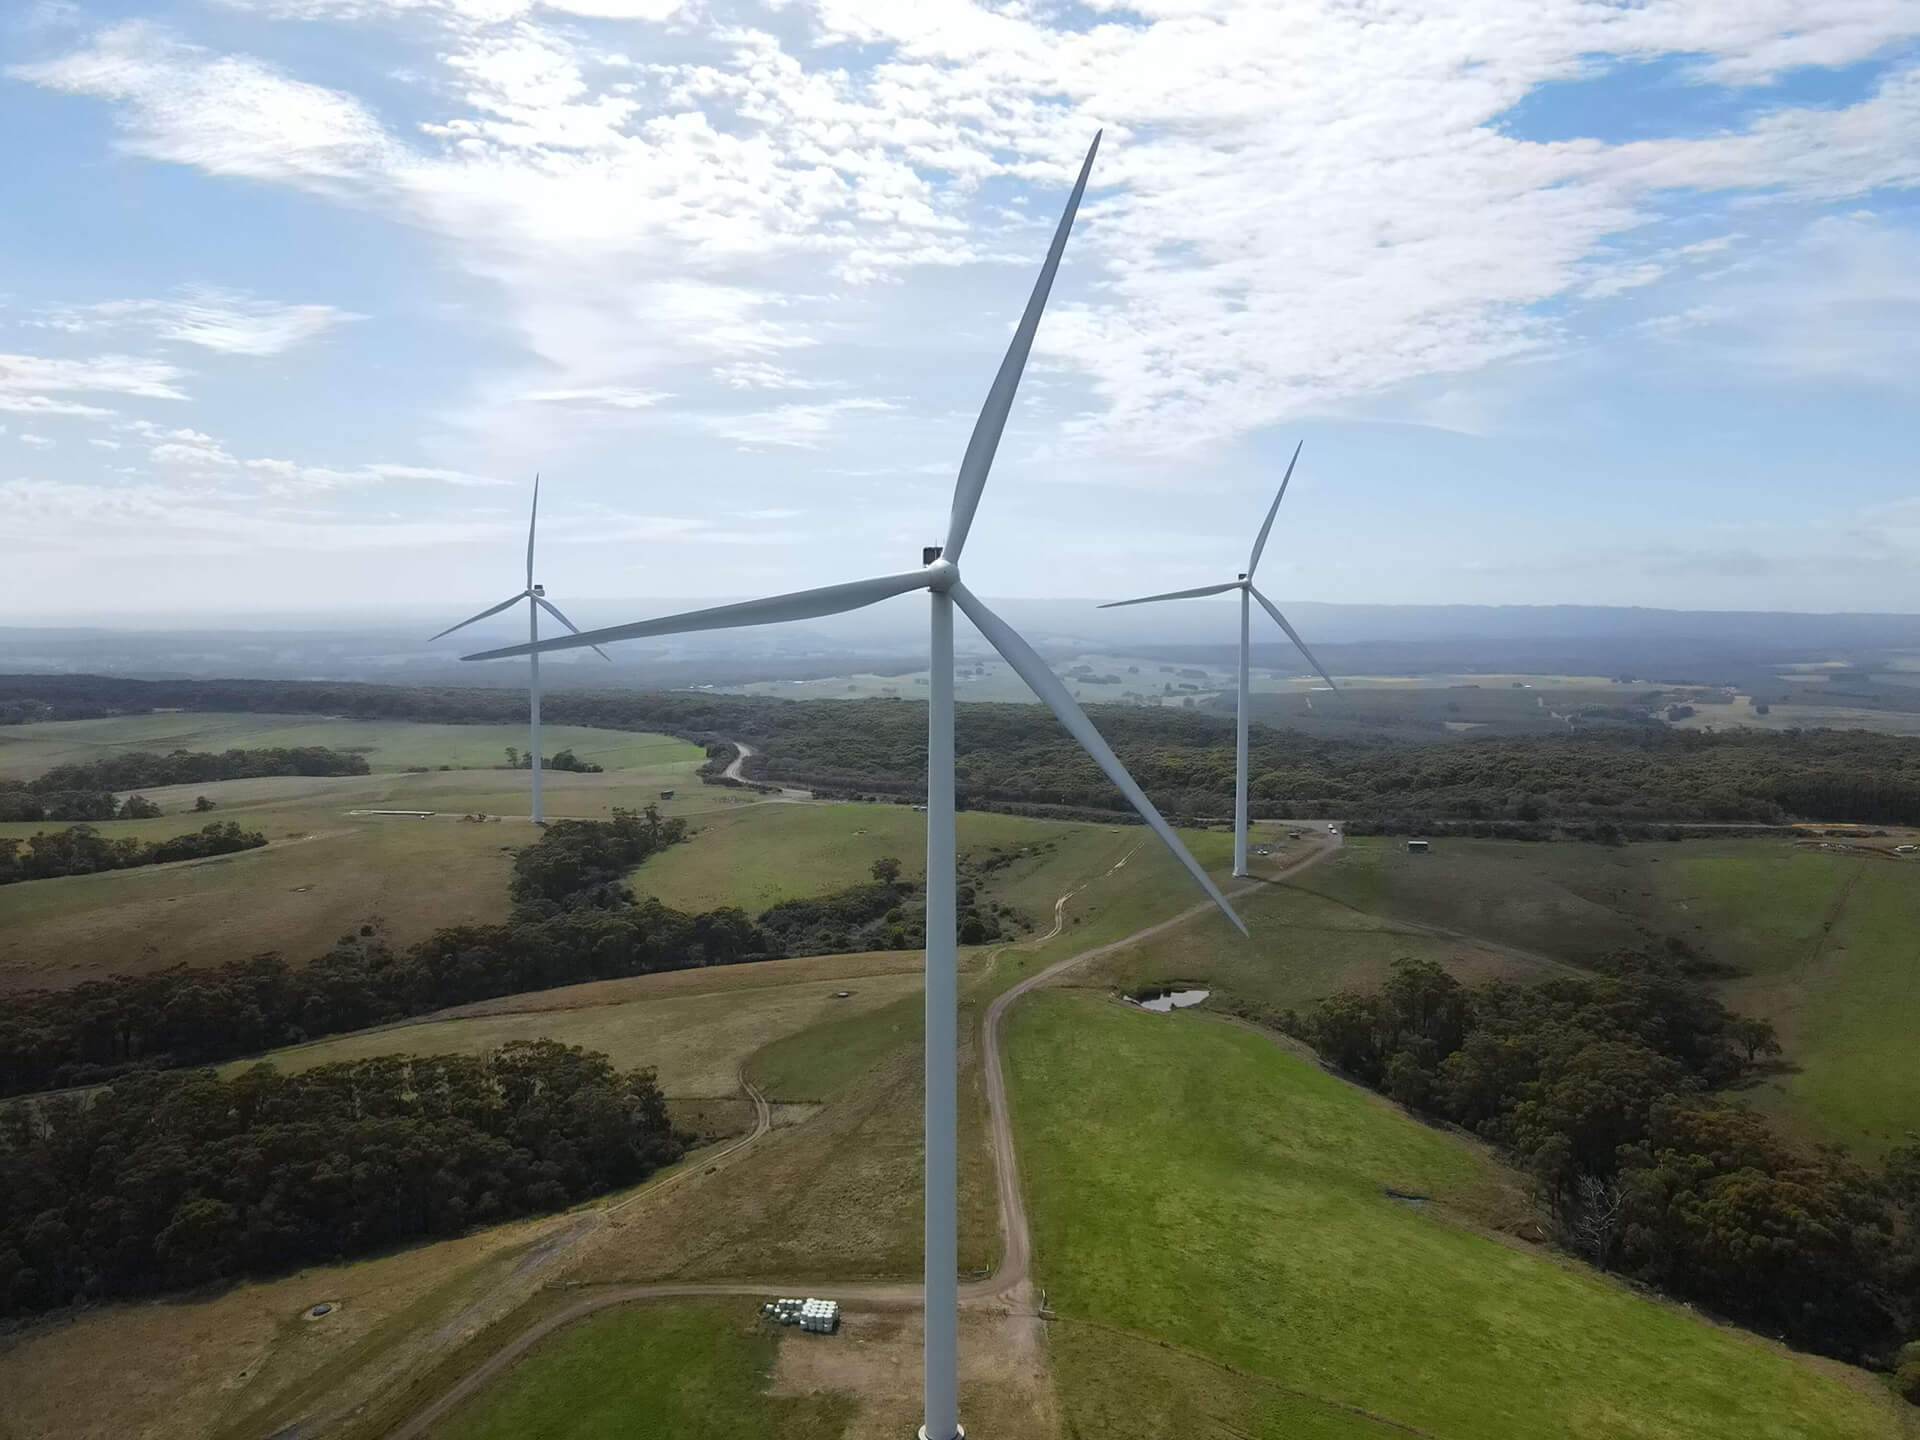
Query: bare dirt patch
<point x="1006" y="1383"/>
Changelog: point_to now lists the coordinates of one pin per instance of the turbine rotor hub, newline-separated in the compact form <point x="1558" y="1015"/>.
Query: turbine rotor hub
<point x="942" y="573"/>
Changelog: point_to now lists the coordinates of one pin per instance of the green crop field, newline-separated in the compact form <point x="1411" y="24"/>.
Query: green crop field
<point x="1216" y="1226"/>
<point x="650" y="1370"/>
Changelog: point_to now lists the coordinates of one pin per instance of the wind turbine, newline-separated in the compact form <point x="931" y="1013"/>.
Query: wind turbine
<point x="536" y="598"/>
<point x="939" y="575"/>
<point x="1248" y="594"/>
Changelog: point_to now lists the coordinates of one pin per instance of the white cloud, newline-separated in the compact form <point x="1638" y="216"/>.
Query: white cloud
<point x="758" y="375"/>
<point x="28" y="382"/>
<point x="611" y="396"/>
<point x="799" y="427"/>
<point x="287" y="477"/>
<point x="211" y="319"/>
<point x="39" y="442"/>
<point x="189" y="450"/>
<point x="1296" y="206"/>
<point x="1840" y="302"/>
<point x="427" y="472"/>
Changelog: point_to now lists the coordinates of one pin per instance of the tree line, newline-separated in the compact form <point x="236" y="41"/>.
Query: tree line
<point x="82" y="850"/>
<point x="85" y="791"/>
<point x="574" y="919"/>
<point x="1016" y="757"/>
<point x="1607" y="1090"/>
<point x="169" y="1180"/>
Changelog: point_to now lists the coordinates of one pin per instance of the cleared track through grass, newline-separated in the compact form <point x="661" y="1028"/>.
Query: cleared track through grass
<point x="1008" y="1279"/>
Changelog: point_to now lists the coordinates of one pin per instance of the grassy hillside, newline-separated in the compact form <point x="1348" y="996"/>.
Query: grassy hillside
<point x="695" y="1033"/>
<point x="1217" y="1229"/>
<point x="326" y="869"/>
<point x="1817" y="940"/>
<point x="757" y="858"/>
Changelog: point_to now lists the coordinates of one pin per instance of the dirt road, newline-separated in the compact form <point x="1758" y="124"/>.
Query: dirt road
<point x="744" y="753"/>
<point x="1008" y="1280"/>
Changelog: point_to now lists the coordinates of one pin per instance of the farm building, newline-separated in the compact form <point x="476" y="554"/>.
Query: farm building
<point x="1417" y="847"/>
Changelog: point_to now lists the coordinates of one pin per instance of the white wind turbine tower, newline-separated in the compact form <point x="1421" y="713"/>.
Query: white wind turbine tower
<point x="536" y="598"/>
<point x="1244" y="584"/>
<point x="939" y="575"/>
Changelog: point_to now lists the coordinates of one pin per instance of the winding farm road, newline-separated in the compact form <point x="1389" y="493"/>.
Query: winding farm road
<point x="1010" y="1278"/>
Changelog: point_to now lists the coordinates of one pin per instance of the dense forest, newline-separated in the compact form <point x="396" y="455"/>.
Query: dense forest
<point x="86" y="791"/>
<point x="82" y="850"/>
<point x="1608" y="1089"/>
<point x="1017" y="757"/>
<point x="163" y="1181"/>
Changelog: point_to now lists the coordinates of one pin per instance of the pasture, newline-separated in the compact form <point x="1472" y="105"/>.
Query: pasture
<point x="326" y="869"/>
<point x="645" y="1371"/>
<point x="694" y="1027"/>
<point x="1225" y="1238"/>
<point x="1816" y="939"/>
<point x="388" y="745"/>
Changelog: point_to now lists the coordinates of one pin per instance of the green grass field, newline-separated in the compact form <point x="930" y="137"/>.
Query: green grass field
<point x="1301" y="947"/>
<point x="759" y="857"/>
<point x="1821" y="941"/>
<point x="27" y="750"/>
<point x="326" y="870"/>
<point x="695" y="1039"/>
<point x="1827" y="944"/>
<point x="642" y="1371"/>
<point x="1214" y="1230"/>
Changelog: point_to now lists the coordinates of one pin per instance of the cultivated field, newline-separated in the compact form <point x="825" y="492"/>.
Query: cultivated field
<point x="1234" y="1242"/>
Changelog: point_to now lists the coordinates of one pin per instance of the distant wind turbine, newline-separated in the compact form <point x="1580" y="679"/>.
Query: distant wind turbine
<point x="536" y="598"/>
<point x="1244" y="584"/>
<point x="939" y="575"/>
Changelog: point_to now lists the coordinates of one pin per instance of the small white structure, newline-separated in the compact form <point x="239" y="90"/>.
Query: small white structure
<point x="820" y="1317"/>
<point x="1418" y="847"/>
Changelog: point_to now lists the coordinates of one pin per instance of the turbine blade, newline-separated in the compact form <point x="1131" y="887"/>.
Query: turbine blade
<point x="554" y="610"/>
<point x="1044" y="683"/>
<point x="1273" y="510"/>
<point x="1175" y="595"/>
<point x="993" y="415"/>
<point x="533" y="519"/>
<point x="1294" y="635"/>
<point x="799" y="605"/>
<point x="492" y="610"/>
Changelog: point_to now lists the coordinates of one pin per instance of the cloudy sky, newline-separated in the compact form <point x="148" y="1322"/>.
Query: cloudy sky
<point x="1570" y="301"/>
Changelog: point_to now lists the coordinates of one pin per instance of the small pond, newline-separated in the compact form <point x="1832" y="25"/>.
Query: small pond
<point x="1165" y="1000"/>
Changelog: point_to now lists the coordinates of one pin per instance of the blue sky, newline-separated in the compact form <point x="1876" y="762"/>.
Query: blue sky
<point x="1571" y="302"/>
